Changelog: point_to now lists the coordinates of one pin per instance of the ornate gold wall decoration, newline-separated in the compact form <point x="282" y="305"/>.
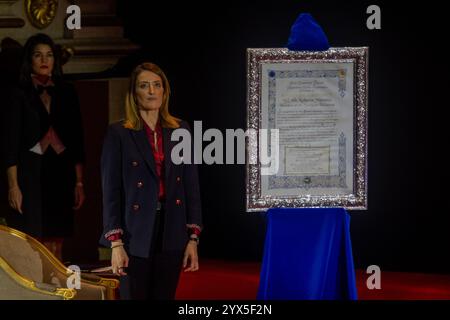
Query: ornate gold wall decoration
<point x="41" y="12"/>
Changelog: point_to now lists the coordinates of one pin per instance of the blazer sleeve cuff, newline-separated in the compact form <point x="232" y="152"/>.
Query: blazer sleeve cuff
<point x="114" y="234"/>
<point x="194" y="228"/>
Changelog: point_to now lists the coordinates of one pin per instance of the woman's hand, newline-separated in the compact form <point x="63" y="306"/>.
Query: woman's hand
<point x="15" y="198"/>
<point x="79" y="197"/>
<point x="119" y="260"/>
<point x="14" y="193"/>
<point x="190" y="253"/>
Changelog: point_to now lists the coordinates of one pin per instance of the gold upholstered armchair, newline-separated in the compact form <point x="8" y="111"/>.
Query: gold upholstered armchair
<point x="29" y="269"/>
<point x="15" y="287"/>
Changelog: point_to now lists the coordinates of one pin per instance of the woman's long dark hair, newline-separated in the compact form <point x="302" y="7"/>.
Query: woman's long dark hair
<point x="32" y="42"/>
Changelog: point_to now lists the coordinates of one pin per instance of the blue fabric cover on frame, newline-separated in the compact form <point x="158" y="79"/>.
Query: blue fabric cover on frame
<point x="307" y="255"/>
<point x="307" y="35"/>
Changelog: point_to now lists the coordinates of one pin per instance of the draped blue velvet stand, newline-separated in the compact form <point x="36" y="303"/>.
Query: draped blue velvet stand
<point x="307" y="255"/>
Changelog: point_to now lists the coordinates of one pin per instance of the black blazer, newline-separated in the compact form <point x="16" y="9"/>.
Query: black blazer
<point x="27" y="121"/>
<point x="131" y="186"/>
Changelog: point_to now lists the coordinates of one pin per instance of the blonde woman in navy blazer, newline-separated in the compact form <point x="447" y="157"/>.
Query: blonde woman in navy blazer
<point x="151" y="206"/>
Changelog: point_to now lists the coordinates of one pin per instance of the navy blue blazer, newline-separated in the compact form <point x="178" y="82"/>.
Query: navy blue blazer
<point x="131" y="186"/>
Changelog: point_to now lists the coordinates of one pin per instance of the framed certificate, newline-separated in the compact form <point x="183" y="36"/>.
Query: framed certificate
<point x="308" y="113"/>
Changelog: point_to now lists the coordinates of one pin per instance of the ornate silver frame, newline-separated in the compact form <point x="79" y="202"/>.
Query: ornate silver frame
<point x="357" y="200"/>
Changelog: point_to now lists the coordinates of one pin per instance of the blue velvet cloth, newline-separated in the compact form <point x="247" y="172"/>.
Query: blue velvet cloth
<point x="307" y="256"/>
<point x="306" y="34"/>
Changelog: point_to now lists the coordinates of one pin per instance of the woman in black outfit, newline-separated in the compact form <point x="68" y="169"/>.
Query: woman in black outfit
<point x="43" y="147"/>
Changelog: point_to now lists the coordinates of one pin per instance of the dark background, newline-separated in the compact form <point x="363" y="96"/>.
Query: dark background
<point x="202" y="48"/>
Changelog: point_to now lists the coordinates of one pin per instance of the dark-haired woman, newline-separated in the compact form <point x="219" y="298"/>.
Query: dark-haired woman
<point x="44" y="148"/>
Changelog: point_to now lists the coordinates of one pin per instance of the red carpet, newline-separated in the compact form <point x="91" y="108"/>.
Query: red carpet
<point x="228" y="280"/>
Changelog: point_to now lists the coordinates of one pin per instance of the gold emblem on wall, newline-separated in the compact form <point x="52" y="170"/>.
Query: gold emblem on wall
<point x="41" y="12"/>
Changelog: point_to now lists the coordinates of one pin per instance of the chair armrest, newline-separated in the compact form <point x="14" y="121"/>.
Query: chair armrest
<point x="46" y="286"/>
<point x="90" y="277"/>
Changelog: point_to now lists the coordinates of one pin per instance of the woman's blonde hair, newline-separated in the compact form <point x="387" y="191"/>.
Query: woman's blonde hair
<point x="132" y="117"/>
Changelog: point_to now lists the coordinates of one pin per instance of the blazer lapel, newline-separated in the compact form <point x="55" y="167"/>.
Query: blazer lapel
<point x="167" y="145"/>
<point x="37" y="104"/>
<point x="144" y="147"/>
